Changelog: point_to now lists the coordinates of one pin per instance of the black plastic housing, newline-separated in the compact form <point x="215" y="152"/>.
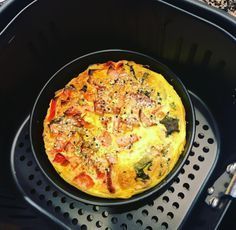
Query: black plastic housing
<point x="198" y="43"/>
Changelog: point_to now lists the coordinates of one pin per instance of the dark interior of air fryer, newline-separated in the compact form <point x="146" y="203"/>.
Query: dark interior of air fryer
<point x="50" y="34"/>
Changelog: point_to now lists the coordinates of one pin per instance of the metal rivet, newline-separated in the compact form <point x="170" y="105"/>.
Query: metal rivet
<point x="231" y="168"/>
<point x="210" y="190"/>
<point x="214" y="201"/>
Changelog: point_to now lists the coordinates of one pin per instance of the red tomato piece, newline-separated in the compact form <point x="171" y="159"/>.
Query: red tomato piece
<point x="84" y="180"/>
<point x="52" y="112"/>
<point x="100" y="175"/>
<point x="66" y="94"/>
<point x="59" y="158"/>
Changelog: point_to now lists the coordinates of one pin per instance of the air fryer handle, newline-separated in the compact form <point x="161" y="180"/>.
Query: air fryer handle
<point x="231" y="189"/>
<point x="224" y="187"/>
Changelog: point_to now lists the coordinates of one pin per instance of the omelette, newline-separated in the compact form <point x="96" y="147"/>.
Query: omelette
<point x="115" y="130"/>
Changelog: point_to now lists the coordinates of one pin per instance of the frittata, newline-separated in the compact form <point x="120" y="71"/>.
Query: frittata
<point x="115" y="130"/>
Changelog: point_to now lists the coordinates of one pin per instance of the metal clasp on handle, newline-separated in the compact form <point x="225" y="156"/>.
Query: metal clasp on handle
<point x="224" y="186"/>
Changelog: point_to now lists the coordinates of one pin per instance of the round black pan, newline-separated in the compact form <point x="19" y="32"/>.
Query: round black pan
<point x="60" y="79"/>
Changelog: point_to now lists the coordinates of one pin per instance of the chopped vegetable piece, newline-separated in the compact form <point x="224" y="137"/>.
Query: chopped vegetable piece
<point x="144" y="77"/>
<point x="140" y="166"/>
<point x="171" y="124"/>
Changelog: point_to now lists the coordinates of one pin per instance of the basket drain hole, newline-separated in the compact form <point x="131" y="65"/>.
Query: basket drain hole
<point x="22" y="158"/>
<point x="201" y="135"/>
<point x="187" y="162"/>
<point x="191" y="176"/>
<point x="139" y="222"/>
<point x="166" y="199"/>
<point x="196" y="167"/>
<point x="123" y="226"/>
<point x="192" y="153"/>
<point x="155" y="219"/>
<point x="74" y="221"/>
<point x="31" y="177"/>
<point x="201" y="158"/>
<point x="72" y="206"/>
<point x="114" y="220"/>
<point x="145" y="212"/>
<point x="151" y="203"/>
<point x="99" y="224"/>
<point x="186" y="186"/>
<point x="175" y="205"/>
<point x="55" y="194"/>
<point x="65" y="214"/>
<point x="177" y="180"/>
<point x="90" y="217"/>
<point x="96" y="208"/>
<point x="210" y="140"/>
<point x="81" y="212"/>
<point x="49" y="203"/>
<point x="181" y="195"/>
<point x="170" y="215"/>
<point x="160" y="209"/>
<point x="63" y="199"/>
<point x="205" y="149"/>
<point x="83" y="227"/>
<point x="164" y="225"/>
<point x="129" y="216"/>
<point x="39" y="182"/>
<point x="171" y="189"/>
<point x="57" y="209"/>
<point x="105" y="214"/>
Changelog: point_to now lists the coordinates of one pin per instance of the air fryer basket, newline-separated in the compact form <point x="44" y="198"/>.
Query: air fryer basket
<point x="33" y="47"/>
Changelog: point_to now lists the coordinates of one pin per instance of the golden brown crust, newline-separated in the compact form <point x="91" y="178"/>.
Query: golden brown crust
<point x="115" y="130"/>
